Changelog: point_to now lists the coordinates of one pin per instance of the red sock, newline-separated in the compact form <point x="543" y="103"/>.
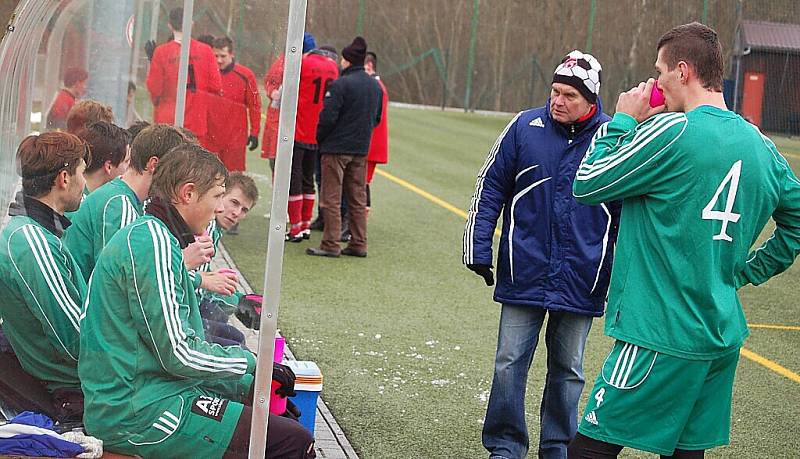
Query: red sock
<point x="308" y="209"/>
<point x="295" y="213"/>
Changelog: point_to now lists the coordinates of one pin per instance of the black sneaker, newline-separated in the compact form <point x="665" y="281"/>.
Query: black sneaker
<point x="296" y="238"/>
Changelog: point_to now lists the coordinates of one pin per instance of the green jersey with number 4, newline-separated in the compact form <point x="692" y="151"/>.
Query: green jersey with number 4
<point x="698" y="188"/>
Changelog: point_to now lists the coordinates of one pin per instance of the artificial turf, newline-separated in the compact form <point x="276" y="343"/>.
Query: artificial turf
<point x="405" y="338"/>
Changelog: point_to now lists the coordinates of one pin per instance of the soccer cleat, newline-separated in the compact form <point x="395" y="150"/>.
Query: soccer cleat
<point x="306" y="233"/>
<point x="294" y="238"/>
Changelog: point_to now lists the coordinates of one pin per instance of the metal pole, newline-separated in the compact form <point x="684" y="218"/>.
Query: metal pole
<point x="183" y="70"/>
<point x="154" y="20"/>
<point x="471" y="59"/>
<point x="137" y="39"/>
<point x="590" y="31"/>
<point x="444" y="79"/>
<point x="277" y="227"/>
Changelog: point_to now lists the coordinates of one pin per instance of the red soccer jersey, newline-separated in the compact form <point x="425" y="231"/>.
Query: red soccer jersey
<point x="229" y="113"/>
<point x="316" y="72"/>
<point x="272" y="82"/>
<point x="379" y="145"/>
<point x="162" y="82"/>
<point x="62" y="104"/>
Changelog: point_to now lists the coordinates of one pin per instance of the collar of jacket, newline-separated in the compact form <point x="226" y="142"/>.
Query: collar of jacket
<point x="353" y="69"/>
<point x="170" y="216"/>
<point x="40" y="212"/>
<point x="69" y="93"/>
<point x="229" y="68"/>
<point x="572" y="130"/>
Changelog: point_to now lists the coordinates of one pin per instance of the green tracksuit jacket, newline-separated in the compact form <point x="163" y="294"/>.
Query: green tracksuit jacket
<point x="101" y="214"/>
<point x="698" y="188"/>
<point x="143" y="346"/>
<point x="41" y="296"/>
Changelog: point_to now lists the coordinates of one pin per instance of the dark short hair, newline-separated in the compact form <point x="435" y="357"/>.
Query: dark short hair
<point x="40" y="158"/>
<point x="188" y="135"/>
<point x="131" y="86"/>
<point x="206" y="38"/>
<point x="86" y="112"/>
<point x="136" y="128"/>
<point x="176" y="19"/>
<point x="74" y="75"/>
<point x="372" y="57"/>
<point x="155" y="140"/>
<point x="187" y="163"/>
<point x="244" y="183"/>
<point x="697" y="45"/>
<point x="223" y="42"/>
<point x="107" y="141"/>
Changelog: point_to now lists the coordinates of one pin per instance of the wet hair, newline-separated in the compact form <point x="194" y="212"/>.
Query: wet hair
<point x="698" y="46"/>
<point x="86" y="112"/>
<point x="155" y="140"/>
<point x="40" y="158"/>
<point x="108" y="142"/>
<point x="244" y="183"/>
<point x="74" y="75"/>
<point x="136" y="128"/>
<point x="187" y="163"/>
<point x="223" y="42"/>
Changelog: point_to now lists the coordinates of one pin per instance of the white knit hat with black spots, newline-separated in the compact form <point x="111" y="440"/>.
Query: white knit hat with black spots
<point x="581" y="71"/>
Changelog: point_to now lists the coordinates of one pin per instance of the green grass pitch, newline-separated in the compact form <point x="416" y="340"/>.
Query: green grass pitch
<point x="406" y="337"/>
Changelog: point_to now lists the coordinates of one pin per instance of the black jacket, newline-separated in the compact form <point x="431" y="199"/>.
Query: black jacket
<point x="352" y="107"/>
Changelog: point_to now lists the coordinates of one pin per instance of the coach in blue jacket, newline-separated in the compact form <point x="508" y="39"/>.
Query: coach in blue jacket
<point x="554" y="258"/>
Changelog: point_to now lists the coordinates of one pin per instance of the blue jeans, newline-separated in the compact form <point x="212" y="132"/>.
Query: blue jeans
<point x="505" y="433"/>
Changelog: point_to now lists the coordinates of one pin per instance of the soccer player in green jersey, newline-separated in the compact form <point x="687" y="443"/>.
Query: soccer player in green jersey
<point x="699" y="183"/>
<point x="41" y="287"/>
<point x="153" y="385"/>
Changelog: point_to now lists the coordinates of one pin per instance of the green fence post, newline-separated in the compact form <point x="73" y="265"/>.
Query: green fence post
<point x="360" y="19"/>
<point x="444" y="78"/>
<point x="590" y="30"/>
<point x="471" y="60"/>
<point x="705" y="12"/>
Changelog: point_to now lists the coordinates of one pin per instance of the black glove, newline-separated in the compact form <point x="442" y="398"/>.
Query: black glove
<point x="485" y="271"/>
<point x="149" y="49"/>
<point x="292" y="411"/>
<point x="252" y="142"/>
<point x="249" y="311"/>
<point x="284" y="376"/>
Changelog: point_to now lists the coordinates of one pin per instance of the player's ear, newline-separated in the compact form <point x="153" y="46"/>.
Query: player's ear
<point x="186" y="192"/>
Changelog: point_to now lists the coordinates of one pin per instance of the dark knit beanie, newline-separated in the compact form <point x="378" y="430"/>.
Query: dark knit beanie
<point x="356" y="51"/>
<point x="581" y="71"/>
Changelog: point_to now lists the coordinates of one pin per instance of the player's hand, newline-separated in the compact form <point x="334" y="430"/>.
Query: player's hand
<point x="636" y="102"/>
<point x="252" y="142"/>
<point x="149" y="49"/>
<point x="485" y="271"/>
<point x="198" y="252"/>
<point x="218" y="282"/>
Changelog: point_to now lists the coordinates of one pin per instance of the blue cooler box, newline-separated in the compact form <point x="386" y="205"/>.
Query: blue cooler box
<point x="308" y="385"/>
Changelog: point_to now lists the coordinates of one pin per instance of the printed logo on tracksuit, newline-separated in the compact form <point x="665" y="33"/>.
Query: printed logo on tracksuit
<point x="210" y="407"/>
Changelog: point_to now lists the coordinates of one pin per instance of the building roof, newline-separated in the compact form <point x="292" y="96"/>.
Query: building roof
<point x="771" y="36"/>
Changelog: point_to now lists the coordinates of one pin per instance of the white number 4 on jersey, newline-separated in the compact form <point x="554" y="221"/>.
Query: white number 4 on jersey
<point x="726" y="216"/>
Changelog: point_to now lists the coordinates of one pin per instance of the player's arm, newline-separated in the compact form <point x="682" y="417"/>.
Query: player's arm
<point x="494" y="186"/>
<point x="54" y="292"/>
<point x="118" y="213"/>
<point x="162" y="315"/>
<point x="214" y="81"/>
<point x="253" y="100"/>
<point x="624" y="157"/>
<point x="780" y="250"/>
<point x="329" y="115"/>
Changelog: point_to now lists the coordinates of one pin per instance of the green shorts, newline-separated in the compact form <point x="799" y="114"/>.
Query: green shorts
<point x="656" y="402"/>
<point x="192" y="424"/>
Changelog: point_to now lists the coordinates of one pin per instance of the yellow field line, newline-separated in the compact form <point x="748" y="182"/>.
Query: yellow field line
<point x="775" y="327"/>
<point x="434" y="199"/>
<point x="783" y="371"/>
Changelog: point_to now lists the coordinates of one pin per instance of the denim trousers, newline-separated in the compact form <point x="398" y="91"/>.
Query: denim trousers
<point x="505" y="433"/>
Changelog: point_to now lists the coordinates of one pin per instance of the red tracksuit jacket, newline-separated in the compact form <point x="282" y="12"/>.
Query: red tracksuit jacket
<point x="316" y="71"/>
<point x="379" y="145"/>
<point x="228" y="116"/>
<point x="162" y="82"/>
